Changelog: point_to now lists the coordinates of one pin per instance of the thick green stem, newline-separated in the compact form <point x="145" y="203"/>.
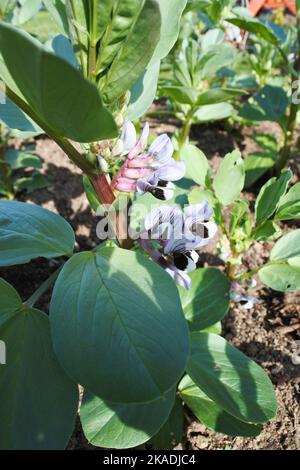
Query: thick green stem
<point x="285" y="151"/>
<point x="42" y="289"/>
<point x="92" y="58"/>
<point x="63" y="143"/>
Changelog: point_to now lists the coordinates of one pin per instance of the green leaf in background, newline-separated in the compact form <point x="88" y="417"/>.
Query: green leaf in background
<point x="6" y="8"/>
<point x="230" y="178"/>
<point x="213" y="112"/>
<point x="197" y="167"/>
<point x="240" y="218"/>
<point x="180" y="94"/>
<point x="14" y="118"/>
<point x="287" y="247"/>
<point x="172" y="431"/>
<point x="211" y="414"/>
<point x="218" y="95"/>
<point x="62" y="47"/>
<point x="58" y="93"/>
<point x="268" y="105"/>
<point x="123" y="15"/>
<point x="143" y="92"/>
<point x="208" y="300"/>
<point x="215" y="58"/>
<point x="198" y="195"/>
<point x="253" y="25"/>
<point x="26" y="10"/>
<point x="289" y="205"/>
<point x="100" y="16"/>
<point x="28" y="231"/>
<point x="135" y="52"/>
<point x="123" y="426"/>
<point x="269" y="196"/>
<point x="101" y="339"/>
<point x="269" y="230"/>
<point x="170" y="13"/>
<point x="30" y="183"/>
<point x="211" y="38"/>
<point x="57" y="10"/>
<point x="281" y="277"/>
<point x="38" y="401"/>
<point x="229" y="378"/>
<point x="216" y="328"/>
<point x="22" y="159"/>
<point x="256" y="165"/>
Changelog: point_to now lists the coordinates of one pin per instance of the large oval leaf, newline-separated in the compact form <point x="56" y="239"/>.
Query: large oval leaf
<point x="122" y="426"/>
<point x="230" y="178"/>
<point x="118" y="327"/>
<point x="197" y="166"/>
<point x="171" y="432"/>
<point x="58" y="93"/>
<point x="211" y="414"/>
<point x="38" y="401"/>
<point x="282" y="277"/>
<point x="229" y="378"/>
<point x="289" y="205"/>
<point x="28" y="231"/>
<point x="208" y="300"/>
<point x="287" y="247"/>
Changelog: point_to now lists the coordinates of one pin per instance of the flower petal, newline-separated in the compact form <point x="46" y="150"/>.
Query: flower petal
<point x="180" y="277"/>
<point x="174" y="171"/>
<point x="128" y="137"/>
<point x="161" y="150"/>
<point x="163" y="215"/>
<point x="198" y="212"/>
<point x="141" y="144"/>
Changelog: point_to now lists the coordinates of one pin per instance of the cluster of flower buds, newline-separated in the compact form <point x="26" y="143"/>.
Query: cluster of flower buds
<point x="146" y="171"/>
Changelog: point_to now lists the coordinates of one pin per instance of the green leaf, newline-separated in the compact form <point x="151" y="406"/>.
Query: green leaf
<point x="101" y="16"/>
<point x="218" y="95"/>
<point x="269" y="196"/>
<point x="30" y="183"/>
<point x="62" y="47"/>
<point x="180" y="94"/>
<point x="230" y="178"/>
<point x="198" y="195"/>
<point x="28" y="231"/>
<point x="215" y="58"/>
<point x="213" y="112"/>
<point x="281" y="277"/>
<point x="229" y="378"/>
<point x="27" y="10"/>
<point x="289" y="205"/>
<point x="58" y="93"/>
<point x="197" y="167"/>
<point x="170" y="13"/>
<point x="7" y="7"/>
<point x="240" y="217"/>
<point x="39" y="402"/>
<point x="287" y="247"/>
<point x="256" y="165"/>
<point x="208" y="300"/>
<point x="123" y="426"/>
<point x="14" y="118"/>
<point x="269" y="230"/>
<point x="22" y="159"/>
<point x="143" y="92"/>
<point x="57" y="10"/>
<point x="253" y="25"/>
<point x="172" y="431"/>
<point x="129" y="329"/>
<point x="211" y="414"/>
<point x="135" y="52"/>
<point x="216" y="328"/>
<point x="269" y="104"/>
<point x="122" y="18"/>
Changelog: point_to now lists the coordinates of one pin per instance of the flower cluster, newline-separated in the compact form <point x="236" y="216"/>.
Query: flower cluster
<point x="146" y="171"/>
<point x="179" y="234"/>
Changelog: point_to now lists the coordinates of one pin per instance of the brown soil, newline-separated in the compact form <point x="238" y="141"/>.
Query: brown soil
<point x="266" y="333"/>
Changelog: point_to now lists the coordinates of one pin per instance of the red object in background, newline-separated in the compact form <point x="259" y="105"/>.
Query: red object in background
<point x="256" y="5"/>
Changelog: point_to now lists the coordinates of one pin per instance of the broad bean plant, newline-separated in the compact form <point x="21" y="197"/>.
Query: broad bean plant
<point x="135" y="321"/>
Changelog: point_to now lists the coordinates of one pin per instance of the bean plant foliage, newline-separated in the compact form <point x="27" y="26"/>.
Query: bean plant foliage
<point x="135" y="322"/>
